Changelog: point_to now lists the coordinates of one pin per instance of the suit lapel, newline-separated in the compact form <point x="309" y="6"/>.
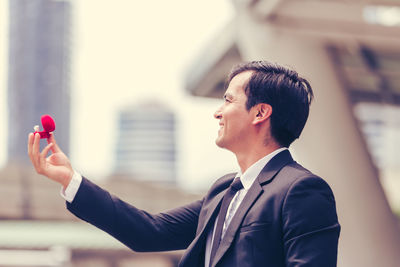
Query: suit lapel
<point x="191" y="255"/>
<point x="266" y="175"/>
<point x="211" y="209"/>
<point x="274" y="166"/>
<point x="251" y="196"/>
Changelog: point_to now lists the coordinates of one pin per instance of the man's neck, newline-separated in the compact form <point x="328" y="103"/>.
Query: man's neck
<point x="247" y="158"/>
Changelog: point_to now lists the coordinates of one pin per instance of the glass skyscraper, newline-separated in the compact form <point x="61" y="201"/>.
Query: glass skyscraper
<point x="39" y="71"/>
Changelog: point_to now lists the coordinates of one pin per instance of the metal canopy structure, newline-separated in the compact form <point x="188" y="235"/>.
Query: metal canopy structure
<point x="372" y="22"/>
<point x="369" y="74"/>
<point x="364" y="49"/>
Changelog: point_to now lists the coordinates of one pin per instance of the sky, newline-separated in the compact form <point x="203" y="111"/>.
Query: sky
<point x="124" y="52"/>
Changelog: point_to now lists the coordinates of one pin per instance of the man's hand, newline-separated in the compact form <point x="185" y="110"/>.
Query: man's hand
<point x="57" y="166"/>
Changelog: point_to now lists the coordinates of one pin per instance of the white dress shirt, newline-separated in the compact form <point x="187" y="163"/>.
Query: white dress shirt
<point x="69" y="193"/>
<point x="247" y="179"/>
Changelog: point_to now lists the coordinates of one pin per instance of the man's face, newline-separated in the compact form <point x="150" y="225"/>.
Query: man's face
<point x="234" y="119"/>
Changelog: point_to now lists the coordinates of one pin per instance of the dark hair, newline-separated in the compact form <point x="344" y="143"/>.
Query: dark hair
<point x="288" y="94"/>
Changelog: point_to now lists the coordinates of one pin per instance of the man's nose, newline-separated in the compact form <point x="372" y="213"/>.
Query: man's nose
<point x="217" y="113"/>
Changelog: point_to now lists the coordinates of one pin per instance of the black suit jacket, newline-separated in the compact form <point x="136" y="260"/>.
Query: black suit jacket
<point x="287" y="218"/>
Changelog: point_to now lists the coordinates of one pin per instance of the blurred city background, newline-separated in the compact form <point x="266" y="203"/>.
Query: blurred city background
<point x="133" y="86"/>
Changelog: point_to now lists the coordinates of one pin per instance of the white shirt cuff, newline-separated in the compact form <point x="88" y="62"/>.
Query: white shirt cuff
<point x="69" y="193"/>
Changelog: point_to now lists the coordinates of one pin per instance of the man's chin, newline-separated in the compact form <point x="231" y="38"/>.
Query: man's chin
<point x="219" y="143"/>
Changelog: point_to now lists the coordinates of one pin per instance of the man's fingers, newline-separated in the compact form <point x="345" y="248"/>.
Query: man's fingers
<point x="31" y="139"/>
<point x="35" y="150"/>
<point x="43" y="157"/>
<point x="30" y="144"/>
<point x="55" y="148"/>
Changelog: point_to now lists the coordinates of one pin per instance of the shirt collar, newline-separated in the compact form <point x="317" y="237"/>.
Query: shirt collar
<point x="250" y="175"/>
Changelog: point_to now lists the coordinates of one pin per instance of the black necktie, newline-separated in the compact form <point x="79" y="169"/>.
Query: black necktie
<point x="230" y="193"/>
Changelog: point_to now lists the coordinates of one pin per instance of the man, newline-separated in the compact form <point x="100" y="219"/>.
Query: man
<point x="272" y="213"/>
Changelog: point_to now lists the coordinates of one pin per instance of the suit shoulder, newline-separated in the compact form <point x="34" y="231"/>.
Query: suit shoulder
<point x="294" y="174"/>
<point x="298" y="169"/>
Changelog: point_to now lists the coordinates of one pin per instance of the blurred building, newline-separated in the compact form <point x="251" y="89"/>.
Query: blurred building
<point x="146" y="143"/>
<point x="39" y="71"/>
<point x="350" y="53"/>
<point x="381" y="128"/>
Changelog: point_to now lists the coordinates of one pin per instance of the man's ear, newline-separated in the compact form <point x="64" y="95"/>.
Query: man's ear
<point x="262" y="112"/>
